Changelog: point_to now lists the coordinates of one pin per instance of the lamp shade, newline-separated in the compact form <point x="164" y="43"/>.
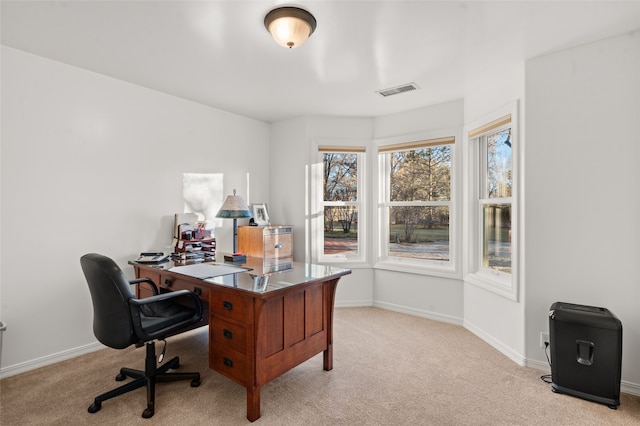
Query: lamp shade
<point x="234" y="207"/>
<point x="290" y="26"/>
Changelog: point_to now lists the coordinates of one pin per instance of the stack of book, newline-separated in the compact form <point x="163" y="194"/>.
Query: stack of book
<point x="193" y="256"/>
<point x="191" y="240"/>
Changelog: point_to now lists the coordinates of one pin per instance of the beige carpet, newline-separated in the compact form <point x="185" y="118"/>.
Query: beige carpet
<point x="389" y="369"/>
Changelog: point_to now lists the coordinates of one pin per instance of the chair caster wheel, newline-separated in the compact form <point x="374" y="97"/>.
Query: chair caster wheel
<point x="95" y="407"/>
<point x="147" y="413"/>
<point x="120" y="377"/>
<point x="195" y="383"/>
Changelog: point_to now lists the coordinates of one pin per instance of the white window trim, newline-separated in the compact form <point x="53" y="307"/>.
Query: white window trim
<point x="506" y="285"/>
<point x="447" y="269"/>
<point x="315" y="219"/>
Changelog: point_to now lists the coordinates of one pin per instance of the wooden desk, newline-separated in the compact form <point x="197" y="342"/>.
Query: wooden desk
<point x="261" y="323"/>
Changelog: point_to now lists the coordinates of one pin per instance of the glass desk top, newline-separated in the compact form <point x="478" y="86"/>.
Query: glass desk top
<point x="253" y="276"/>
<point x="260" y="282"/>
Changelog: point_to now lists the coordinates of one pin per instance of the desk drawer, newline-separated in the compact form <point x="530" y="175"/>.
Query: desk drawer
<point x="277" y="246"/>
<point x="227" y="335"/>
<point x="172" y="283"/>
<point x="232" y="306"/>
<point x="231" y="364"/>
<point x="144" y="289"/>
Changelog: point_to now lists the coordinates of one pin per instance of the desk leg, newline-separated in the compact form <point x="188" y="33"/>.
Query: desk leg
<point x="253" y="403"/>
<point x="328" y="358"/>
<point x="330" y="296"/>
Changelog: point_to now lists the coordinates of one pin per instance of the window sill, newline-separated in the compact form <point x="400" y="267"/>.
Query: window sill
<point x="485" y="281"/>
<point x="350" y="264"/>
<point x="413" y="268"/>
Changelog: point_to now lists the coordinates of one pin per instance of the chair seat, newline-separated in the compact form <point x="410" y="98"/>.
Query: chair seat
<point x="163" y="314"/>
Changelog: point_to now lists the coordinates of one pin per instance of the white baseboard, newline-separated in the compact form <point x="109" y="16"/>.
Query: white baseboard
<point x="353" y="303"/>
<point x="419" y="312"/>
<point x="539" y="365"/>
<point x="498" y="345"/>
<point x="630" y="388"/>
<point x="23" y="367"/>
<point x="625" y="387"/>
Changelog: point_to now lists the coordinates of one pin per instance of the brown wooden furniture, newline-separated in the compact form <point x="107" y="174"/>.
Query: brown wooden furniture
<point x="273" y="243"/>
<point x="261" y="323"/>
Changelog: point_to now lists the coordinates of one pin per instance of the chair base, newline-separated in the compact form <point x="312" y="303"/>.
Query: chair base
<point x="148" y="378"/>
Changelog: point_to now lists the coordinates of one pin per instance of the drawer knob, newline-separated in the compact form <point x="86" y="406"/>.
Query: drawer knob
<point x="227" y="333"/>
<point x="226" y="361"/>
<point x="197" y="291"/>
<point x="278" y="246"/>
<point x="227" y="305"/>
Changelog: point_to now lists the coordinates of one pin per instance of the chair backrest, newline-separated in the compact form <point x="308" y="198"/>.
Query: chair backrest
<point x="110" y="294"/>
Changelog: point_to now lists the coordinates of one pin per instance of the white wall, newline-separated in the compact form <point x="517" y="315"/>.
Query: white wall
<point x="442" y="116"/>
<point x="292" y="152"/>
<point x="583" y="201"/>
<point x="94" y="164"/>
<point x="292" y="145"/>
<point x="423" y="295"/>
<point x="494" y="318"/>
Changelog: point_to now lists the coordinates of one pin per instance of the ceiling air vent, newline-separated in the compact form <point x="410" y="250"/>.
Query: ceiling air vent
<point x="398" y="89"/>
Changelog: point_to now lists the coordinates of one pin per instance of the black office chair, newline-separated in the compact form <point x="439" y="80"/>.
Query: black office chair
<point x="121" y="320"/>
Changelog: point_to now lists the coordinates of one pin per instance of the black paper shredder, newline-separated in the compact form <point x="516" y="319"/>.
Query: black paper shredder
<point x="586" y="352"/>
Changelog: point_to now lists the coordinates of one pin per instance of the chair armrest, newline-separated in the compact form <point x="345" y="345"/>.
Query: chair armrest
<point x="154" y="287"/>
<point x="164" y="296"/>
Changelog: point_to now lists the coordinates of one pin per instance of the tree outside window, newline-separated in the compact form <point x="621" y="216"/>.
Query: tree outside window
<point x="491" y="237"/>
<point x="341" y="203"/>
<point x="417" y="200"/>
<point x="496" y="177"/>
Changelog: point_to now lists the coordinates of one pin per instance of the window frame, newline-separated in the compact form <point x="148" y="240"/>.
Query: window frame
<point x="443" y="268"/>
<point x="318" y="204"/>
<point x="499" y="282"/>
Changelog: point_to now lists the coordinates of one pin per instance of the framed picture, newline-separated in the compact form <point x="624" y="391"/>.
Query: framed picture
<point x="260" y="214"/>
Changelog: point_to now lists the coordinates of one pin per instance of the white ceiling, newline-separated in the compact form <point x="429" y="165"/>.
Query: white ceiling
<point x="218" y="53"/>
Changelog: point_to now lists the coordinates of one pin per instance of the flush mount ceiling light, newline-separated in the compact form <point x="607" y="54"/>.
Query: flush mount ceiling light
<point x="290" y="26"/>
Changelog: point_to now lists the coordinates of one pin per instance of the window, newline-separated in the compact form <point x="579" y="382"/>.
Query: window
<point x="492" y="215"/>
<point x="340" y="206"/>
<point x="495" y="179"/>
<point x="415" y="213"/>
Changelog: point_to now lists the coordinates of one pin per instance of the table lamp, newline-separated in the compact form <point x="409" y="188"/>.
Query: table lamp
<point x="234" y="207"/>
